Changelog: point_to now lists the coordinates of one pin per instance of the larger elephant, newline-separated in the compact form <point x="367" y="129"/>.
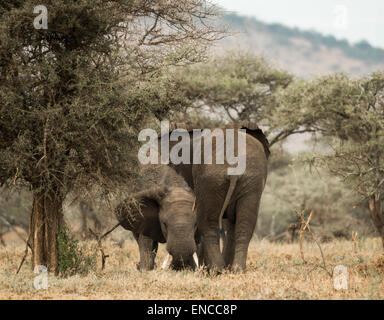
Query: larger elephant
<point x="219" y="195"/>
<point x="162" y="214"/>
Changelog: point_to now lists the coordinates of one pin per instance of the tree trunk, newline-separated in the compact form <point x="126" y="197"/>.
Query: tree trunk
<point x="84" y="224"/>
<point x="377" y="215"/>
<point x="46" y="219"/>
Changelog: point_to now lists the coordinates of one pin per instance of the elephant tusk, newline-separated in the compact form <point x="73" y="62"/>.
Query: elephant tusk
<point x="165" y="262"/>
<point x="194" y="206"/>
<point x="195" y="258"/>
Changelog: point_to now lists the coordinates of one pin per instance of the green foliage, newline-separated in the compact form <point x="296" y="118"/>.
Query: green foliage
<point x="240" y="85"/>
<point x="71" y="258"/>
<point x="328" y="105"/>
<point x="351" y="114"/>
<point x="75" y="96"/>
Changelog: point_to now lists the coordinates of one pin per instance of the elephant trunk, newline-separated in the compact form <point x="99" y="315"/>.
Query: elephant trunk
<point x="181" y="250"/>
<point x="181" y="246"/>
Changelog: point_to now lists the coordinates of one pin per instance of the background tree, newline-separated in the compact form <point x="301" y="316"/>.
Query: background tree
<point x="349" y="114"/>
<point x="320" y="105"/>
<point x="74" y="96"/>
<point x="234" y="85"/>
<point x="292" y="188"/>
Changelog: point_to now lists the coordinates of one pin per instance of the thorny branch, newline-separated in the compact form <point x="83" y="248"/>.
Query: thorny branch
<point x="99" y="238"/>
<point x="305" y="227"/>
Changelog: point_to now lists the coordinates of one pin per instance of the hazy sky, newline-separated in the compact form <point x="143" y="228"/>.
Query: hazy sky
<point x="353" y="20"/>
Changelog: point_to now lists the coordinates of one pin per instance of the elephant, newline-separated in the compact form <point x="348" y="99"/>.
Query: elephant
<point x="162" y="214"/>
<point x="219" y="196"/>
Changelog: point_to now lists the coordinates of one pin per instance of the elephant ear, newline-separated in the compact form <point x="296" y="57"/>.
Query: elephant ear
<point x="253" y="130"/>
<point x="140" y="213"/>
<point x="151" y="227"/>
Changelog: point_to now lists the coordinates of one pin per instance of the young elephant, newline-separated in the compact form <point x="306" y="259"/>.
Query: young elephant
<point x="162" y="215"/>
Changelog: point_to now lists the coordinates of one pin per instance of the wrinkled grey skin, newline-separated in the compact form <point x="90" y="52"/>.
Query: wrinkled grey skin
<point x="235" y="198"/>
<point x="222" y="234"/>
<point x="166" y="216"/>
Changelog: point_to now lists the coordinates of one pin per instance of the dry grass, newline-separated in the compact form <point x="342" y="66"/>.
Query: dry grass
<point x="274" y="271"/>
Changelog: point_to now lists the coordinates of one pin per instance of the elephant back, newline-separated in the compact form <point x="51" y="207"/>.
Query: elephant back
<point x="253" y="130"/>
<point x="171" y="179"/>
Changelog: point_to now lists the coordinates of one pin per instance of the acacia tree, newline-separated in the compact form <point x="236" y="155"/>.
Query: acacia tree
<point x="323" y="105"/>
<point x="350" y="116"/>
<point x="74" y="96"/>
<point x="359" y="157"/>
<point x="238" y="85"/>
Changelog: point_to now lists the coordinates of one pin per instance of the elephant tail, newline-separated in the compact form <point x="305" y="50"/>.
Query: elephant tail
<point x="232" y="185"/>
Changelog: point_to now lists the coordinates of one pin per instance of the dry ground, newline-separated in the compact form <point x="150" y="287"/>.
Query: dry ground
<point x="274" y="271"/>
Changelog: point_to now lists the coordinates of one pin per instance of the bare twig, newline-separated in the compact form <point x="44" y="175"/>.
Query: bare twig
<point x="16" y="175"/>
<point x="25" y="253"/>
<point x="44" y="145"/>
<point x="354" y="239"/>
<point x="305" y="227"/>
<point x="99" y="238"/>
<point x="23" y="259"/>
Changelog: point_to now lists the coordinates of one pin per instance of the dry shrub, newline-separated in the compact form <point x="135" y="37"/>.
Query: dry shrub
<point x="362" y="269"/>
<point x="378" y="265"/>
<point x="371" y="268"/>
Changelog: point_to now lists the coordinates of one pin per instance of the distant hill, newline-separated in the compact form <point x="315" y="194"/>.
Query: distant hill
<point x="303" y="53"/>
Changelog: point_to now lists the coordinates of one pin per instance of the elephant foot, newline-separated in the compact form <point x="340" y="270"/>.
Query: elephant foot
<point x="142" y="267"/>
<point x="217" y="267"/>
<point x="215" y="272"/>
<point x="237" y="269"/>
<point x="179" y="267"/>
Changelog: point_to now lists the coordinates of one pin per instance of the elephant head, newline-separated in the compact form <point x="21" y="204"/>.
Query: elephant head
<point x="163" y="214"/>
<point x="178" y="224"/>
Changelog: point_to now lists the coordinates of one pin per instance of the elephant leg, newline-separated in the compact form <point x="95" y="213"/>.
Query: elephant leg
<point x="148" y="251"/>
<point x="200" y="252"/>
<point x="211" y="246"/>
<point x="208" y="212"/>
<point x="246" y="217"/>
<point x="223" y="238"/>
<point x="229" y="245"/>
